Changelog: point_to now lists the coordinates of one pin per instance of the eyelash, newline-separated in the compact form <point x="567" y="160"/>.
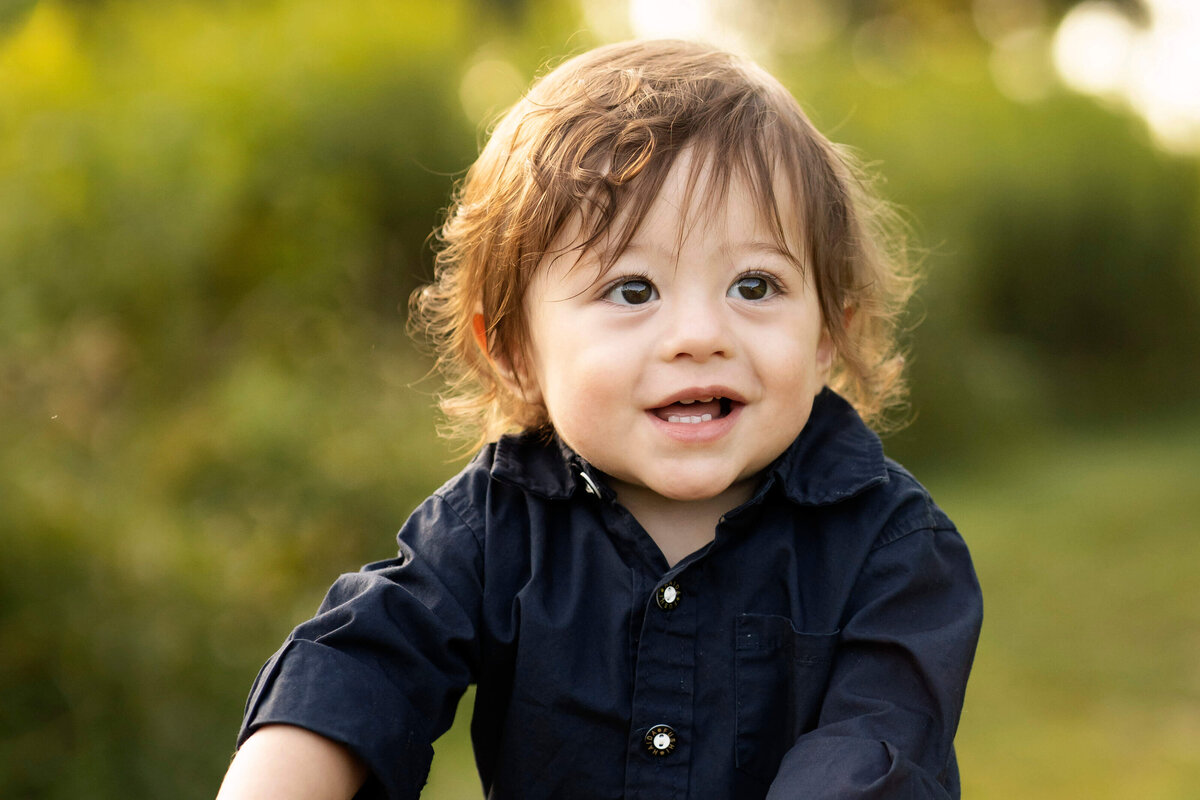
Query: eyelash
<point x="775" y="285"/>
<point x="614" y="285"/>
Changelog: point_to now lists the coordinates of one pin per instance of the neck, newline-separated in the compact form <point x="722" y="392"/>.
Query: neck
<point x="680" y="527"/>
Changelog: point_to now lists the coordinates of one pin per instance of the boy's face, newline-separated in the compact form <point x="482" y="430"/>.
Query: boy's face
<point x="681" y="373"/>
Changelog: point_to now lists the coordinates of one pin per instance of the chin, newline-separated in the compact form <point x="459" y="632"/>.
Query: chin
<point x="691" y="492"/>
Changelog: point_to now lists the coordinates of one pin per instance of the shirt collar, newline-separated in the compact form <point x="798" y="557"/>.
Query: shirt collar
<point x="539" y="462"/>
<point x="836" y="456"/>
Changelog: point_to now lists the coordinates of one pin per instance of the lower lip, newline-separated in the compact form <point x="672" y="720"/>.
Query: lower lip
<point x="697" y="432"/>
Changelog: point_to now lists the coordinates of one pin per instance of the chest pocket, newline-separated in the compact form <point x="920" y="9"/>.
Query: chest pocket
<point x="780" y="678"/>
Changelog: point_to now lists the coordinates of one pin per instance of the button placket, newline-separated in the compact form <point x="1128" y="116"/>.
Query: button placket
<point x="660" y="754"/>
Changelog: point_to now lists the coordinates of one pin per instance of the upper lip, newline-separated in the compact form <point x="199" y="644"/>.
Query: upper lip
<point x="699" y="393"/>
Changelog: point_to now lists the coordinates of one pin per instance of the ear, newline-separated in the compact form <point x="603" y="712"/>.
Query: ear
<point x="479" y="328"/>
<point x="512" y="373"/>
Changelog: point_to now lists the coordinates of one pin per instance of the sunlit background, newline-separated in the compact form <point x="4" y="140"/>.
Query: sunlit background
<point x="211" y="215"/>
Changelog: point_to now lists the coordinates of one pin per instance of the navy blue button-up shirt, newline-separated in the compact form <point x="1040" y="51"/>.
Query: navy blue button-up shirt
<point x="818" y="647"/>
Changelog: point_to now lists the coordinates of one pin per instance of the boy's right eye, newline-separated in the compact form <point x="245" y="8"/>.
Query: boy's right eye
<point x="632" y="292"/>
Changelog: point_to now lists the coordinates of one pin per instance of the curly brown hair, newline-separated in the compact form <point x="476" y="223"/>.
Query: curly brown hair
<point x="596" y="138"/>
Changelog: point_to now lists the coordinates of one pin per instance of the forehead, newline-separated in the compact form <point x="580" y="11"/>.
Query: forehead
<point x="698" y="196"/>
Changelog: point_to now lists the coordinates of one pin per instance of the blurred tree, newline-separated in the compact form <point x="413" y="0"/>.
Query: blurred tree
<point x="212" y="216"/>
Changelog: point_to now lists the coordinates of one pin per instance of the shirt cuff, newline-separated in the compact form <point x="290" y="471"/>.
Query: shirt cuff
<point x="329" y="693"/>
<point x="844" y="766"/>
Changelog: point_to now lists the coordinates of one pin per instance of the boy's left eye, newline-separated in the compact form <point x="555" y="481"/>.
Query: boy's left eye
<point x="752" y="287"/>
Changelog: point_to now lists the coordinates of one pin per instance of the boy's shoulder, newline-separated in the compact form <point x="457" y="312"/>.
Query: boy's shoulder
<point x="838" y="465"/>
<point x="911" y="506"/>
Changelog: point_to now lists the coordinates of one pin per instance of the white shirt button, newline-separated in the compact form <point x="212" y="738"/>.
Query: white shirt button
<point x="660" y="740"/>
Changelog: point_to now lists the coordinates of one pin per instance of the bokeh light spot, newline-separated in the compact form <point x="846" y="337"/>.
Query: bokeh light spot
<point x="488" y="86"/>
<point x="670" y="18"/>
<point x="1153" y="69"/>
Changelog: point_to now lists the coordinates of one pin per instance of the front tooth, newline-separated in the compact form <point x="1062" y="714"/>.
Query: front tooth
<point x="673" y="418"/>
<point x="686" y="402"/>
<point x="706" y="400"/>
<point x="706" y="418"/>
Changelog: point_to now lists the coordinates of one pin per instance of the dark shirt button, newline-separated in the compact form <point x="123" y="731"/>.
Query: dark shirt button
<point x="668" y="595"/>
<point x="660" y="740"/>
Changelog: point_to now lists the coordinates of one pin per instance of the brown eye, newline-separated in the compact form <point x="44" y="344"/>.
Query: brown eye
<point x="632" y="292"/>
<point x="751" y="287"/>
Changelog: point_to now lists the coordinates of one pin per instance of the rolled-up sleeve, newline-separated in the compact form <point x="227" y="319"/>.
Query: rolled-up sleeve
<point x="382" y="665"/>
<point x="891" y="710"/>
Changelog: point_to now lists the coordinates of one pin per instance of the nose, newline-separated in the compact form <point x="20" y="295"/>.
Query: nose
<point x="695" y="328"/>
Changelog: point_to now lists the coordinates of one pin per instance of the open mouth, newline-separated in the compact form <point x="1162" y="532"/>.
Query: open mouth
<point x="695" y="410"/>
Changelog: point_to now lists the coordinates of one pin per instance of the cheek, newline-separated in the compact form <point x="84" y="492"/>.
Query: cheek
<point x="800" y="369"/>
<point x="584" y="391"/>
<point x="571" y="383"/>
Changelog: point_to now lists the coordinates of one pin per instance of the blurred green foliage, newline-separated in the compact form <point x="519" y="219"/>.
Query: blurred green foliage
<point x="211" y="214"/>
<point x="211" y="217"/>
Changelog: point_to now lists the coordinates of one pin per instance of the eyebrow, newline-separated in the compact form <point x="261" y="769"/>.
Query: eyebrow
<point x="760" y="246"/>
<point x="751" y="246"/>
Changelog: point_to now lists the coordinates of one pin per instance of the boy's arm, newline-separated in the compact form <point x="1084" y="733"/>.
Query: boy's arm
<point x="894" y="697"/>
<point x="382" y="665"/>
<point x="290" y="763"/>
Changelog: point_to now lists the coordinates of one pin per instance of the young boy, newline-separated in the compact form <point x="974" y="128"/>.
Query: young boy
<point x="681" y="565"/>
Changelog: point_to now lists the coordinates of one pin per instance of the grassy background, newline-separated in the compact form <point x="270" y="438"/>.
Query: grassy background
<point x="1088" y="674"/>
